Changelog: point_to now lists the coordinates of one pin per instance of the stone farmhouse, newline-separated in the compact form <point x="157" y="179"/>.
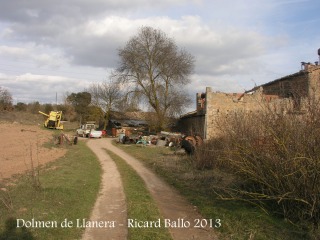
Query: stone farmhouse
<point x="293" y="89"/>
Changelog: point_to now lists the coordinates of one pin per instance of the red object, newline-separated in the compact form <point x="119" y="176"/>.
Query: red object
<point x="114" y="132"/>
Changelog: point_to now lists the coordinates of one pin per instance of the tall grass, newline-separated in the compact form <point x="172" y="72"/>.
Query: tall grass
<point x="140" y="204"/>
<point x="69" y="187"/>
<point x="277" y="158"/>
<point x="239" y="219"/>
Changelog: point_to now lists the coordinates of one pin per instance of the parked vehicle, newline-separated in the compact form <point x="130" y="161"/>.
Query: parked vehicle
<point x="95" y="134"/>
<point x="89" y="129"/>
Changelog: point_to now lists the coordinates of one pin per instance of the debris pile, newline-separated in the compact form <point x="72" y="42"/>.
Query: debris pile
<point x="162" y="139"/>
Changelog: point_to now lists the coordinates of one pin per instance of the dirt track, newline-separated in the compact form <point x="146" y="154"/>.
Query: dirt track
<point x="110" y="205"/>
<point x="171" y="205"/>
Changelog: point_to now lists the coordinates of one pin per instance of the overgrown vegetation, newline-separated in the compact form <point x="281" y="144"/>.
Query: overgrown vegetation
<point x="276" y="158"/>
<point x="69" y="187"/>
<point x="34" y="172"/>
<point x="240" y="220"/>
<point x="140" y="204"/>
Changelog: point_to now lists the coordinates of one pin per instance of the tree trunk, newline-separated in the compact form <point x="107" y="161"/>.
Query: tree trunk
<point x="160" y="123"/>
<point x="106" y="119"/>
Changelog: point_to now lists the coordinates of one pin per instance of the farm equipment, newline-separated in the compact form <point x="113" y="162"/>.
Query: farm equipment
<point x="53" y="120"/>
<point x="190" y="143"/>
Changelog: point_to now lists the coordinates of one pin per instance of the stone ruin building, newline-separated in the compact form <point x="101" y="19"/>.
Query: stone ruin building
<point x="293" y="89"/>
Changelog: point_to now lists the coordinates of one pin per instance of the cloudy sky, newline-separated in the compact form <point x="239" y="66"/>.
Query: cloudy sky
<point x="49" y="47"/>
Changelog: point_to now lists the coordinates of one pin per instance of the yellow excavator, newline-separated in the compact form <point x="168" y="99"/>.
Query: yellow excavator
<point x="53" y="120"/>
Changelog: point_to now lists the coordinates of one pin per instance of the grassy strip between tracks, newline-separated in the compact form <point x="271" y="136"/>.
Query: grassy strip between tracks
<point x="239" y="219"/>
<point x="55" y="210"/>
<point x="142" y="210"/>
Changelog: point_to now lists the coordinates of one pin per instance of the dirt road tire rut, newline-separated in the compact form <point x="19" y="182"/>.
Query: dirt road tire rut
<point x="110" y="205"/>
<point x="171" y="204"/>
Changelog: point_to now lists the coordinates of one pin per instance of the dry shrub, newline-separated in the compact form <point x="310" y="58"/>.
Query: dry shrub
<point x="277" y="157"/>
<point x="212" y="154"/>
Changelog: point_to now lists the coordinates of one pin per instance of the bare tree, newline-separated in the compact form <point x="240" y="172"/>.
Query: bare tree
<point x="105" y="95"/>
<point x="129" y="102"/>
<point x="152" y="65"/>
<point x="5" y="99"/>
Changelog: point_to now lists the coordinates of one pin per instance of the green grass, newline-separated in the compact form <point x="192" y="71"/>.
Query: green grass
<point x="139" y="203"/>
<point x="239" y="220"/>
<point x="69" y="187"/>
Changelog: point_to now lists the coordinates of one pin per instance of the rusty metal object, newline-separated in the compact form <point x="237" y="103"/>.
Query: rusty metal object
<point x="190" y="143"/>
<point x="199" y="140"/>
<point x="192" y="140"/>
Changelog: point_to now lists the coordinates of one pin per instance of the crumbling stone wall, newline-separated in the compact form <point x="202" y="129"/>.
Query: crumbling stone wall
<point x="287" y="95"/>
<point x="219" y="104"/>
<point x="222" y="103"/>
<point x="314" y="82"/>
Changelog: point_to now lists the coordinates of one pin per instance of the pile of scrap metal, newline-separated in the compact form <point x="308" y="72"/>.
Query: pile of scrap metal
<point x="170" y="139"/>
<point x="190" y="143"/>
<point x="126" y="137"/>
<point x="163" y="139"/>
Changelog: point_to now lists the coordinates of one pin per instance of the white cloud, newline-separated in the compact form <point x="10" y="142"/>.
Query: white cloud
<point x="235" y="43"/>
<point x="7" y="51"/>
<point x="95" y="42"/>
<point x="30" y="87"/>
<point x="40" y="55"/>
<point x="28" y="11"/>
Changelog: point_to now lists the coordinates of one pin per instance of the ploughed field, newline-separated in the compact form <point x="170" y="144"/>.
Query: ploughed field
<point x="22" y="146"/>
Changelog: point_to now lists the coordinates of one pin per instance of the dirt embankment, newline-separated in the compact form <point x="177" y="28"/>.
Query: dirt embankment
<point x="23" y="144"/>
